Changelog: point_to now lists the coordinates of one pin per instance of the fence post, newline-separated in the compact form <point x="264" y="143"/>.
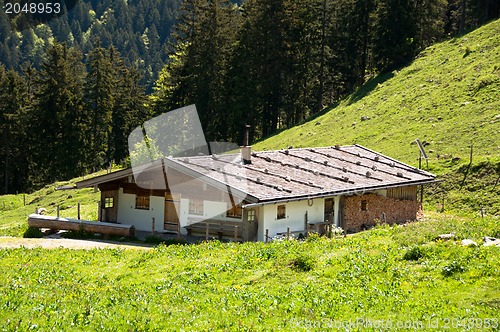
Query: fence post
<point x="235" y="233"/>
<point x="58" y="211"/>
<point x="153" y="228"/>
<point x="267" y="234"/>
<point x="288" y="233"/>
<point x="78" y="210"/>
<point x="206" y="230"/>
<point x="24" y="199"/>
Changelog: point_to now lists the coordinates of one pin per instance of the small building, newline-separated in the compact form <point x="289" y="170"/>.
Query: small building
<point x="252" y="194"/>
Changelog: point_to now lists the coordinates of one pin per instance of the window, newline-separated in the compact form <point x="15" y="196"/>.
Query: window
<point x="363" y="205"/>
<point x="142" y="202"/>
<point x="195" y="207"/>
<point x="251" y="215"/>
<point x="281" y="212"/>
<point x="108" y="202"/>
<point x="234" y="212"/>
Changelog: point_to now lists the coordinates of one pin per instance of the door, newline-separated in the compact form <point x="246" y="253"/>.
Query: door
<point x="171" y="221"/>
<point x="329" y="208"/>
<point x="341" y="221"/>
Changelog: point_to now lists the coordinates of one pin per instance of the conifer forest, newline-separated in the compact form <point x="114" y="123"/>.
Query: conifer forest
<point x="72" y="88"/>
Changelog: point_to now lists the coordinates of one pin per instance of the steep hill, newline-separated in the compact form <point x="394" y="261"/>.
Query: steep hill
<point x="449" y="97"/>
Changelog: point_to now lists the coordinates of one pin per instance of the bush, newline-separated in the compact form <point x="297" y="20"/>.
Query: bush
<point x="414" y="253"/>
<point x="303" y="263"/>
<point x="452" y="268"/>
<point x="33" y="233"/>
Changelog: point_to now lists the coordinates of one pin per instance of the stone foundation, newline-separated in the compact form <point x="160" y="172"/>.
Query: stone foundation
<point x="360" y="212"/>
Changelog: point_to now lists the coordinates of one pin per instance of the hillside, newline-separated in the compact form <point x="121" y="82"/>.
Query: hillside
<point x="388" y="275"/>
<point x="449" y="97"/>
<point x="14" y="209"/>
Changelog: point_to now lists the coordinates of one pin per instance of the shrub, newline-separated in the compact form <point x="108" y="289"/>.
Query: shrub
<point x="33" y="232"/>
<point x="414" y="253"/>
<point x="303" y="263"/>
<point x="452" y="268"/>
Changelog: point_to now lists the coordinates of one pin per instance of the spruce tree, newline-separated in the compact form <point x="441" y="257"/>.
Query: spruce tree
<point x="99" y="101"/>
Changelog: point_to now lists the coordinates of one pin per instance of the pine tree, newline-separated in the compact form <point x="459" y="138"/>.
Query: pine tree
<point x="197" y="71"/>
<point x="100" y="101"/>
<point x="129" y="110"/>
<point x="56" y="122"/>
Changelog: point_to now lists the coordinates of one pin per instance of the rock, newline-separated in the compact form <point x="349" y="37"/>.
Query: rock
<point x="491" y="241"/>
<point x="42" y="210"/>
<point x="440" y="118"/>
<point x="468" y="243"/>
<point x="364" y="118"/>
<point x="445" y="237"/>
<point x="431" y="151"/>
<point x="455" y="159"/>
<point x="497" y="117"/>
<point x="354" y="123"/>
<point x="317" y="123"/>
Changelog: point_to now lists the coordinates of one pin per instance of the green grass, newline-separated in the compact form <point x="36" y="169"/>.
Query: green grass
<point x="14" y="214"/>
<point x="252" y="286"/>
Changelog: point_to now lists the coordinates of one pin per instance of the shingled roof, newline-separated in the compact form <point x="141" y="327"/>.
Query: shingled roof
<point x="309" y="172"/>
<point x="291" y="174"/>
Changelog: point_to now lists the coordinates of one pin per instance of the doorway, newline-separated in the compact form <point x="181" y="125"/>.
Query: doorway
<point x="171" y="220"/>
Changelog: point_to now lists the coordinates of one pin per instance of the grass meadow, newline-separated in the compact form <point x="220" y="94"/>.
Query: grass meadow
<point x="388" y="275"/>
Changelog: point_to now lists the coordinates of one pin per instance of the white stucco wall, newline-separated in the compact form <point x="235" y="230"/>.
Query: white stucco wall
<point x="141" y="219"/>
<point x="211" y="210"/>
<point x="295" y="217"/>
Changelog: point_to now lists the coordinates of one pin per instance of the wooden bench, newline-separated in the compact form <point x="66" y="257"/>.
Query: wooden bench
<point x="217" y="228"/>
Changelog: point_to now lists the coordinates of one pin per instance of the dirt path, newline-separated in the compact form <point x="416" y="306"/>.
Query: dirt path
<point x="53" y="243"/>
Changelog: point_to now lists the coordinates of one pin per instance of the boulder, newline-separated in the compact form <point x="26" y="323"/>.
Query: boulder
<point x="468" y="243"/>
<point x="491" y="241"/>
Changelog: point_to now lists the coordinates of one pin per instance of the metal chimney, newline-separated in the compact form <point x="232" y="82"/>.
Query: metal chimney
<point x="246" y="149"/>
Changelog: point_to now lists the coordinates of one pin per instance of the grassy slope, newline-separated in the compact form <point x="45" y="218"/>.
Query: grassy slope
<point x="14" y="214"/>
<point x="319" y="283"/>
<point x="449" y="96"/>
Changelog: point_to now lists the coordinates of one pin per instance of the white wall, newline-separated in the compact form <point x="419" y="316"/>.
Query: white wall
<point x="295" y="217"/>
<point x="141" y="219"/>
<point x="211" y="210"/>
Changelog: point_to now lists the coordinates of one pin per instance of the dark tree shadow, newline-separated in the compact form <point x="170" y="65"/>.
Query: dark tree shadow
<point x="369" y="86"/>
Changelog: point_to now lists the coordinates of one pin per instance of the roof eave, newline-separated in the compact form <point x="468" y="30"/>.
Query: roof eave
<point x="339" y="192"/>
